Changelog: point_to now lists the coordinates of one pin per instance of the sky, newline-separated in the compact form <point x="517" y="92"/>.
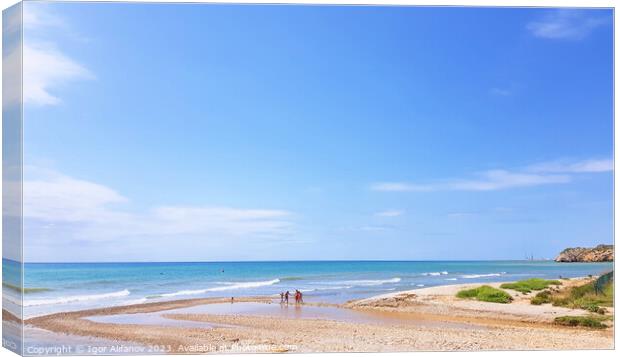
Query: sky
<point x="159" y="132"/>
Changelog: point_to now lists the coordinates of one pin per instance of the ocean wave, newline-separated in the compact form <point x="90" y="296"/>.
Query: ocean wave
<point x="135" y="301"/>
<point x="451" y="279"/>
<point x="369" y="282"/>
<point x="340" y="287"/>
<point x="420" y="285"/>
<point x="291" y="278"/>
<point x="228" y="286"/>
<point x="75" y="298"/>
<point x="435" y="273"/>
<point x="475" y="276"/>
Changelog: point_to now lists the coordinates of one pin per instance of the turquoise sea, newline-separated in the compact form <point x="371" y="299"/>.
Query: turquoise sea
<point x="54" y="287"/>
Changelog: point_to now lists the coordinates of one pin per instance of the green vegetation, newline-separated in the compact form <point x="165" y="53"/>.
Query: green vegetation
<point x="526" y="286"/>
<point x="585" y="321"/>
<point x="543" y="297"/>
<point x="586" y="297"/>
<point x="593" y="296"/>
<point x="485" y="293"/>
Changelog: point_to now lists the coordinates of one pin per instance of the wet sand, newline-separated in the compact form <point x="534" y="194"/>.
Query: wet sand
<point x="423" y="319"/>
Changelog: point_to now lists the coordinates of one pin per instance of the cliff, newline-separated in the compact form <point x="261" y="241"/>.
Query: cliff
<point x="600" y="253"/>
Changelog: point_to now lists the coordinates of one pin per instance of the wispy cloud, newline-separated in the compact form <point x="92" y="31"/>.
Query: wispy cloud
<point x="569" y="24"/>
<point x="592" y="165"/>
<point x="389" y="213"/>
<point x="534" y="175"/>
<point x="90" y="211"/>
<point x="45" y="67"/>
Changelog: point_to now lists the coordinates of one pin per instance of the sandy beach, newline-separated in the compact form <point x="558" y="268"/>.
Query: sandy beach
<point x="422" y="319"/>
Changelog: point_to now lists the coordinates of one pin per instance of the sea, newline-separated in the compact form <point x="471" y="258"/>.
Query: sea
<point x="57" y="287"/>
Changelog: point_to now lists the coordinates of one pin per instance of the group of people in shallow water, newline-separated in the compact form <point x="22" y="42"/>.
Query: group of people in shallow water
<point x="284" y="296"/>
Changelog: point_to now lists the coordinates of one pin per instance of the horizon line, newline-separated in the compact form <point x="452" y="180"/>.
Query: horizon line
<point x="282" y="261"/>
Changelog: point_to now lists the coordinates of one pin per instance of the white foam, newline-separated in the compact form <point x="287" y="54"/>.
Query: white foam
<point x="451" y="279"/>
<point x="436" y="273"/>
<point x="135" y="301"/>
<point x="339" y="287"/>
<point x="229" y="286"/>
<point x="245" y="285"/>
<point x="370" y="282"/>
<point x="75" y="298"/>
<point x="420" y="285"/>
<point x="474" y="276"/>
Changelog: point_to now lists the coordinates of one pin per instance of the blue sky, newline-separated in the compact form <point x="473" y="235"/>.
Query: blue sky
<point x="198" y="132"/>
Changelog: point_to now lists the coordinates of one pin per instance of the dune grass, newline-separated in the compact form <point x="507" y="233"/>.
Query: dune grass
<point x="584" y="321"/>
<point x="543" y="297"/>
<point x="526" y="286"/>
<point x="585" y="297"/>
<point x="485" y="293"/>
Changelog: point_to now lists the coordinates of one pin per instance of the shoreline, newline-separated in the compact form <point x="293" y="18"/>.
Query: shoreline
<point x="483" y="325"/>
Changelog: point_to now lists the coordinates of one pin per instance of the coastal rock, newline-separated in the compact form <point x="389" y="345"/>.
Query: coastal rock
<point x="600" y="253"/>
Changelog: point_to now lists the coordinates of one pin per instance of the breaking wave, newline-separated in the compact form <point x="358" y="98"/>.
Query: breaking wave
<point x="370" y="282"/>
<point x="475" y="276"/>
<point x="436" y="273"/>
<point x="228" y="286"/>
<point x="75" y="298"/>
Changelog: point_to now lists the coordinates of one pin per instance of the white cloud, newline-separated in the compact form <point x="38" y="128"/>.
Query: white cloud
<point x="45" y="67"/>
<point x="534" y="175"/>
<point x="502" y="179"/>
<point x="55" y="197"/>
<point x="567" y="24"/>
<point x="93" y="212"/>
<point x="389" y="213"/>
<point x="218" y="221"/>
<point x="592" y="165"/>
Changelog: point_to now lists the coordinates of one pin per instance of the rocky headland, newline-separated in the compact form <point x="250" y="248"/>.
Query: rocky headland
<point x="600" y="253"/>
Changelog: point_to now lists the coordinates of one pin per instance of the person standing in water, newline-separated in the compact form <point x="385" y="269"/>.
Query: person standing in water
<point x="282" y="298"/>
<point x="286" y="297"/>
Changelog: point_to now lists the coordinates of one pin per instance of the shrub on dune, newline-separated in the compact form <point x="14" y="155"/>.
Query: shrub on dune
<point x="485" y="293"/>
<point x="526" y="286"/>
